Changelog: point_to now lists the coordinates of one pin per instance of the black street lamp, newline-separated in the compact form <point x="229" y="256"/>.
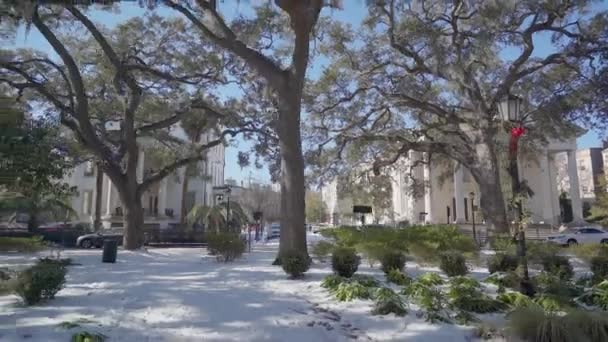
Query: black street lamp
<point x="510" y="109"/>
<point x="472" y="199"/>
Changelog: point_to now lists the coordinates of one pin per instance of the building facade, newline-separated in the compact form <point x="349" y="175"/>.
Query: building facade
<point x="450" y="194"/>
<point x="163" y="201"/>
<point x="590" y="168"/>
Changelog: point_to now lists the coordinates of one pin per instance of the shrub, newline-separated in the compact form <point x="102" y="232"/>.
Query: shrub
<point x="516" y="300"/>
<point x="387" y="301"/>
<point x="426" y="242"/>
<point x="597" y="296"/>
<point x="502" y="263"/>
<point x="365" y="280"/>
<point x="429" y="298"/>
<point x="345" y="261"/>
<point x="372" y="251"/>
<point x="504" y="280"/>
<point x="295" y="263"/>
<point x="348" y="291"/>
<point x="56" y="261"/>
<point x="41" y="281"/>
<point x="559" y="266"/>
<point x="21" y="244"/>
<point x="392" y="260"/>
<point x="502" y="244"/>
<point x="397" y="277"/>
<point x="85" y="336"/>
<point x="534" y="324"/>
<point x="226" y="246"/>
<point x="465" y="294"/>
<point x="453" y="263"/>
<point x="430" y="279"/>
<point x="322" y="249"/>
<point x="486" y="331"/>
<point x="537" y="251"/>
<point x="599" y="267"/>
<point x="552" y="284"/>
<point x="332" y="281"/>
<point x="587" y="252"/>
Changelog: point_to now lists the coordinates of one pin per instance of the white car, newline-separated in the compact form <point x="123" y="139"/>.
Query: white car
<point x="585" y="235"/>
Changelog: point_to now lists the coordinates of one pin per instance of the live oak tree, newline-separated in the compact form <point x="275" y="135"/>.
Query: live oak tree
<point x="428" y="76"/>
<point x="284" y="79"/>
<point x="116" y="90"/>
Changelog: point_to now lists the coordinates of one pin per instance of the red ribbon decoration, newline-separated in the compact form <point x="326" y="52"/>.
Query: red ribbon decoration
<point x="516" y="133"/>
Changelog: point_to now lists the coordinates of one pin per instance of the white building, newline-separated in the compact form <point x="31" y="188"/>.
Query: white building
<point x="590" y="167"/>
<point x="162" y="202"/>
<point x="449" y="201"/>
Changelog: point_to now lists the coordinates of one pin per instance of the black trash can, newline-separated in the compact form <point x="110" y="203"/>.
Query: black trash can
<point x="110" y="249"/>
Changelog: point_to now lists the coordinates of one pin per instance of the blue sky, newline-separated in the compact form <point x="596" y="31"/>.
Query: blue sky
<point x="351" y="14"/>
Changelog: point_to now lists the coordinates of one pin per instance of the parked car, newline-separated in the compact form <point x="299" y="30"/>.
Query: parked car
<point x="274" y="232"/>
<point x="97" y="239"/>
<point x="585" y="235"/>
<point x="62" y="233"/>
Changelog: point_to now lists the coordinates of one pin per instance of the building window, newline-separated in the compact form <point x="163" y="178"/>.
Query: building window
<point x="466" y="210"/>
<point x="87" y="202"/>
<point x="585" y="189"/>
<point x="89" y="169"/>
<point x="153" y="205"/>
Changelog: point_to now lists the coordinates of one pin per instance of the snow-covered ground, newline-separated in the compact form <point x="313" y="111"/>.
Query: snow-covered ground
<point x="181" y="294"/>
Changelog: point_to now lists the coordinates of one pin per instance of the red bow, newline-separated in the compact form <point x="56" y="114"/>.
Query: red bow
<point x="516" y="133"/>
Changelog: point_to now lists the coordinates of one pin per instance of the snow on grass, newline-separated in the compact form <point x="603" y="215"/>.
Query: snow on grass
<point x="181" y="294"/>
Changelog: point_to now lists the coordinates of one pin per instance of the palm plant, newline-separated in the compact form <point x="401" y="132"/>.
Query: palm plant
<point x="215" y="217"/>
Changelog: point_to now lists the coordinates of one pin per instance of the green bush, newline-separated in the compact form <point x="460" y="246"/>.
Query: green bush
<point x="587" y="252"/>
<point x="534" y="324"/>
<point x="596" y="296"/>
<point x="429" y="298"/>
<point x="345" y="261"/>
<point x="21" y="244"/>
<point x="465" y="294"/>
<point x="85" y="336"/>
<point x="504" y="280"/>
<point x="453" y="263"/>
<point x="559" y="266"/>
<point x="549" y="283"/>
<point x="397" y="277"/>
<point x="538" y="251"/>
<point x="41" y="281"/>
<point x="387" y="301"/>
<point x="426" y="242"/>
<point x="502" y="263"/>
<point x="502" y="244"/>
<point x="365" y="280"/>
<point x="372" y="251"/>
<point x="322" y="249"/>
<point x="348" y="291"/>
<point x="332" y="281"/>
<point x="515" y="300"/>
<point x="430" y="279"/>
<point x="599" y="267"/>
<point x="295" y="263"/>
<point x="226" y="246"/>
<point x="392" y="260"/>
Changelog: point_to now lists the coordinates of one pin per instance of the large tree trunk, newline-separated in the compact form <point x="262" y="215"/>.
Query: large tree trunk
<point x="487" y="174"/>
<point x="133" y="215"/>
<point x="184" y="210"/>
<point x="293" y="222"/>
<point x="98" y="198"/>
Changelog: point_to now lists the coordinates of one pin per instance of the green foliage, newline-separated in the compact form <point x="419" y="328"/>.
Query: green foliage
<point x="365" y="280"/>
<point x="558" y="265"/>
<point x="332" y="281"/>
<point x="21" y="244"/>
<point x="398" y="277"/>
<point x="345" y="261"/>
<point x="226" y="246"/>
<point x="504" y="279"/>
<point x="534" y="324"/>
<point x="465" y="294"/>
<point x="295" y="263"/>
<point x="515" y="300"/>
<point x="538" y="251"/>
<point x="423" y="290"/>
<point x="392" y="260"/>
<point x="85" y="336"/>
<point x="387" y="301"/>
<point x="215" y="217"/>
<point x="453" y="263"/>
<point x="347" y="291"/>
<point x="502" y="244"/>
<point x="41" y="281"/>
<point x="589" y="251"/>
<point x="372" y="251"/>
<point x="599" y="267"/>
<point x="322" y="249"/>
<point x="552" y="284"/>
<point x="316" y="210"/>
<point x="596" y="296"/>
<point x="502" y="263"/>
<point x="485" y="331"/>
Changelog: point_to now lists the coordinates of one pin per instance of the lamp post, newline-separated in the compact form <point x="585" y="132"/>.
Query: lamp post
<point x="472" y="199"/>
<point x="510" y="110"/>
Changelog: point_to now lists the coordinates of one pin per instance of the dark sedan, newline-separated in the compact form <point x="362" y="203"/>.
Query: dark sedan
<point x="97" y="239"/>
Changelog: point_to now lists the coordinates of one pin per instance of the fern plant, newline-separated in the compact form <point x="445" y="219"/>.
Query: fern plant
<point x="388" y="301"/>
<point x="465" y="295"/>
<point x="332" y="281"/>
<point x="347" y="291"/>
<point x="366" y="280"/>
<point x="430" y="279"/>
<point x="597" y="295"/>
<point x="397" y="277"/>
<point x="424" y="292"/>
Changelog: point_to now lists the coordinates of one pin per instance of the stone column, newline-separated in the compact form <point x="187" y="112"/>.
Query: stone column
<point x="555" y="198"/>
<point x="547" y="189"/>
<point x="162" y="197"/>
<point x="109" y="204"/>
<point x="140" y="166"/>
<point x="428" y="205"/>
<point x="459" y="194"/>
<point x="575" y="197"/>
